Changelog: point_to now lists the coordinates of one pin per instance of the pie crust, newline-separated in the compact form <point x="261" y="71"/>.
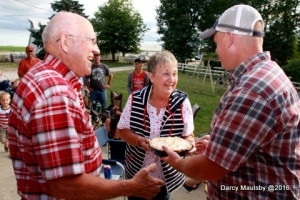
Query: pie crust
<point x="173" y="143"/>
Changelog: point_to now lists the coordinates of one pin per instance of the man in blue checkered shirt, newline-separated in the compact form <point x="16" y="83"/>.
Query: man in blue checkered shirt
<point x="254" y="148"/>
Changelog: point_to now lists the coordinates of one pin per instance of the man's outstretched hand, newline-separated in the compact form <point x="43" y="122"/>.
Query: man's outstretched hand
<point x="147" y="186"/>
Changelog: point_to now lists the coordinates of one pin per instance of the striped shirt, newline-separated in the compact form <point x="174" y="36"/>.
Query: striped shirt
<point x="4" y="116"/>
<point x="256" y="134"/>
<point x="50" y="134"/>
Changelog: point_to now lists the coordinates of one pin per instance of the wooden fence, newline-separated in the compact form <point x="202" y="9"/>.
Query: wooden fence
<point x="12" y="56"/>
<point x="204" y="68"/>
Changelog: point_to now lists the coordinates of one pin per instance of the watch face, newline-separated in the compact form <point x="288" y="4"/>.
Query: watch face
<point x="177" y="144"/>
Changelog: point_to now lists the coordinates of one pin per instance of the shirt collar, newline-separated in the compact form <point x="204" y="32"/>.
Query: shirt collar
<point x="248" y="64"/>
<point x="62" y="69"/>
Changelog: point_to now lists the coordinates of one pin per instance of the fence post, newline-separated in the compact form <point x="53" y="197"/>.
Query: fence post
<point x="11" y="57"/>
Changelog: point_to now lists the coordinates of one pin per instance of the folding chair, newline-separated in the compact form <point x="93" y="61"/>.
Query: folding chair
<point x="195" y="109"/>
<point x="118" y="169"/>
<point x="116" y="99"/>
<point x="116" y="150"/>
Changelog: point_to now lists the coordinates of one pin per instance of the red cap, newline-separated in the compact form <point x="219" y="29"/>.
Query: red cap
<point x="29" y="48"/>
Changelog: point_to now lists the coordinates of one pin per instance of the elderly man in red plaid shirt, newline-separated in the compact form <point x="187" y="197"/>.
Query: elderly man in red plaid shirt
<point x="254" y="148"/>
<point x="53" y="148"/>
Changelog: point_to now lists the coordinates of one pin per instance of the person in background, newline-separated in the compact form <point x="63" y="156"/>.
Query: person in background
<point x="110" y="119"/>
<point x="138" y="78"/>
<point x="11" y="89"/>
<point x="28" y="62"/>
<point x="5" y="83"/>
<point x="4" y="116"/>
<point x="97" y="86"/>
<point x="158" y="110"/>
<point x="221" y="81"/>
<point x="8" y="85"/>
<point x="53" y="148"/>
<point x="254" y="146"/>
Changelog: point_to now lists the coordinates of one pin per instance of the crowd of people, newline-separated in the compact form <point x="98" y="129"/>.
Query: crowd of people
<point x="251" y="152"/>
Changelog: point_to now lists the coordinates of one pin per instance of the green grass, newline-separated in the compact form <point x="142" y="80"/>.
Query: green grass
<point x="11" y="49"/>
<point x="197" y="93"/>
<point x="5" y="66"/>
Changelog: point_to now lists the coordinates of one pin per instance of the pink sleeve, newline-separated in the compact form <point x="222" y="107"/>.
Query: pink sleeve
<point x="187" y="118"/>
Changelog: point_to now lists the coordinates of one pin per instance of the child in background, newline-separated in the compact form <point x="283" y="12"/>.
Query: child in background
<point x="110" y="119"/>
<point x="4" y="116"/>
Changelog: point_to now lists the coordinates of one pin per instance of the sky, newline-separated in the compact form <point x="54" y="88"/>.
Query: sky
<point x="14" y="15"/>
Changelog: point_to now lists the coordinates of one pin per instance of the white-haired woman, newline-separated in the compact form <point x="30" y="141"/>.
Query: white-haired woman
<point x="158" y="110"/>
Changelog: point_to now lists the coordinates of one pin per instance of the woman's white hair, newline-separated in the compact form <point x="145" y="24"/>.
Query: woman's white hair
<point x="161" y="58"/>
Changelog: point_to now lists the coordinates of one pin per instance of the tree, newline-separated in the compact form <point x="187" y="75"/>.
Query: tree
<point x="70" y="6"/>
<point x="177" y="22"/>
<point x="292" y="69"/>
<point x="282" y="20"/>
<point x="57" y="6"/>
<point x="119" y="28"/>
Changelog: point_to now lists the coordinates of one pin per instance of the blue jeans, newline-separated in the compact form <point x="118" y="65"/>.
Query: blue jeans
<point x="101" y="97"/>
<point x="161" y="195"/>
<point x="4" y="85"/>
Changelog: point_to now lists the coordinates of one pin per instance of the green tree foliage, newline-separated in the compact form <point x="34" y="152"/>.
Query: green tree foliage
<point x="292" y="69"/>
<point x="57" y="6"/>
<point x="119" y="28"/>
<point x="68" y="5"/>
<point x="177" y="23"/>
<point x="282" y="19"/>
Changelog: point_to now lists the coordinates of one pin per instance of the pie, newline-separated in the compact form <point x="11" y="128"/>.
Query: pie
<point x="176" y="144"/>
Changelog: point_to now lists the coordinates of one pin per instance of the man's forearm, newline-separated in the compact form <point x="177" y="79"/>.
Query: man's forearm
<point x="200" y="167"/>
<point x="110" y="78"/>
<point x="88" y="187"/>
<point x="128" y="136"/>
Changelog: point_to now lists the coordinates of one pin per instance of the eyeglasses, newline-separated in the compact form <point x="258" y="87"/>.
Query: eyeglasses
<point x="93" y="40"/>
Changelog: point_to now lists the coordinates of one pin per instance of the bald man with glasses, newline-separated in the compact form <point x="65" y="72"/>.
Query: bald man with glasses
<point x="53" y="147"/>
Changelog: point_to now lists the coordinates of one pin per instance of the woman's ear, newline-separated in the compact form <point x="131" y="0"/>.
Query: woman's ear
<point x="151" y="76"/>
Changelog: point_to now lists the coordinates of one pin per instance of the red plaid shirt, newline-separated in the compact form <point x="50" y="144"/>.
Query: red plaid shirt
<point x="50" y="135"/>
<point x="256" y="134"/>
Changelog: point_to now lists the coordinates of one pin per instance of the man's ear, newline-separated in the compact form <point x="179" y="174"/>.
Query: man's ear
<point x="63" y="42"/>
<point x="230" y="39"/>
